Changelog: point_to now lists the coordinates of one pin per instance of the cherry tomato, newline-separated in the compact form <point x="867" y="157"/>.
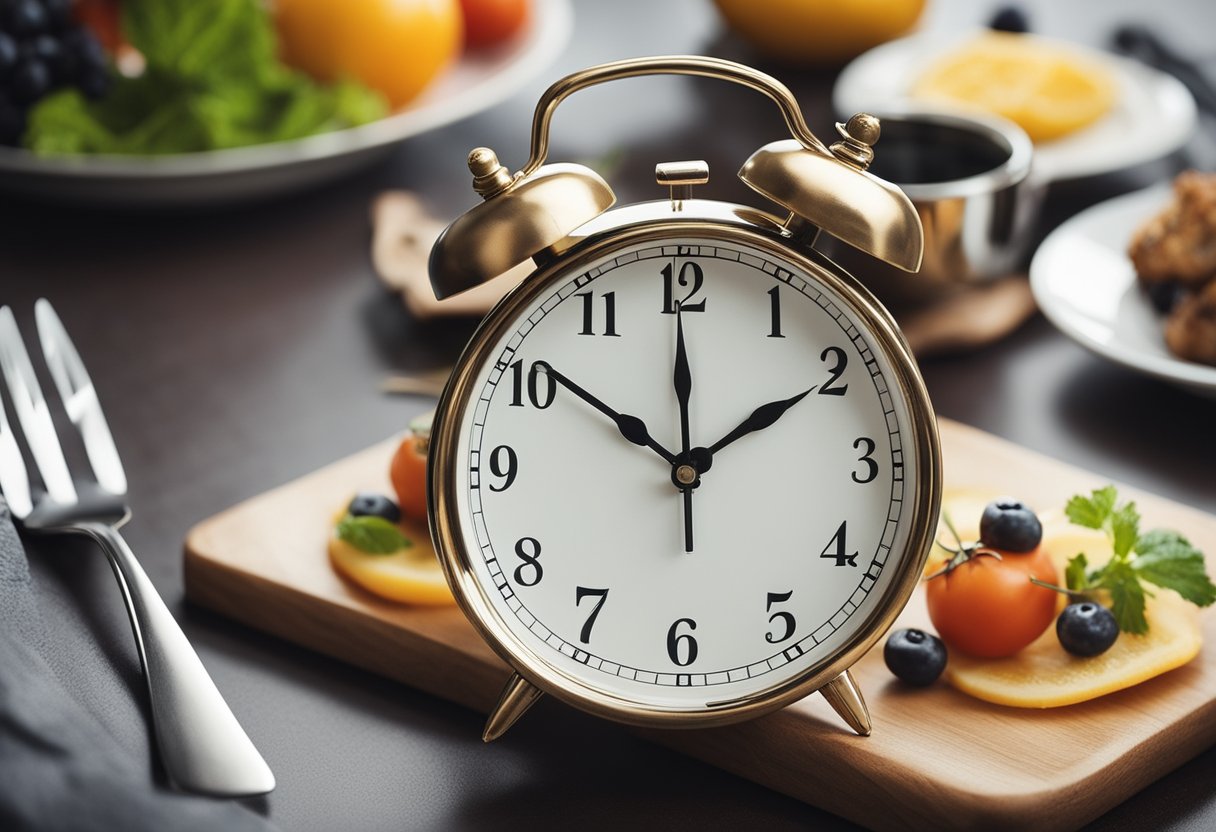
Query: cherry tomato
<point x="487" y="22"/>
<point x="408" y="474"/>
<point x="395" y="46"/>
<point x="989" y="608"/>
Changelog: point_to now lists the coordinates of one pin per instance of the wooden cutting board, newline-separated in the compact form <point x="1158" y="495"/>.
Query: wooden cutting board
<point x="937" y="759"/>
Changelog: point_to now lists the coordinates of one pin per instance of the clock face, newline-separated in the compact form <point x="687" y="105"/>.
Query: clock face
<point x="677" y="571"/>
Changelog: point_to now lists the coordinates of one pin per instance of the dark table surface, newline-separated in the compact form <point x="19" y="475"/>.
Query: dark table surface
<point x="238" y="348"/>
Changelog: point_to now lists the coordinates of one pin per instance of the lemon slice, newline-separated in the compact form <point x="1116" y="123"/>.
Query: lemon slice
<point x="1044" y="675"/>
<point x="410" y="575"/>
<point x="1045" y="88"/>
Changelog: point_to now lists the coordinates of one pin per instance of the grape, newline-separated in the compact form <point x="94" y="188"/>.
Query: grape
<point x="8" y="53"/>
<point x="42" y="50"/>
<point x="49" y="50"/>
<point x="26" y="17"/>
<point x="58" y="12"/>
<point x="31" y="80"/>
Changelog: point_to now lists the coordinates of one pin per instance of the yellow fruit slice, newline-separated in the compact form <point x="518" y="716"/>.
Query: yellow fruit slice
<point x="1046" y="88"/>
<point x="411" y="575"/>
<point x="1044" y="675"/>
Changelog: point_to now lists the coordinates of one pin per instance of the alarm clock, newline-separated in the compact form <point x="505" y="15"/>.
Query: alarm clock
<point x="686" y="472"/>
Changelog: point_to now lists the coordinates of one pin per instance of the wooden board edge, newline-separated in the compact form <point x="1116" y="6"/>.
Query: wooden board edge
<point x="406" y="656"/>
<point x="1051" y="809"/>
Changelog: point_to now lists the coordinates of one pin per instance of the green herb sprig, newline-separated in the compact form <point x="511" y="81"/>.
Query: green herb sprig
<point x="373" y="535"/>
<point x="1161" y="557"/>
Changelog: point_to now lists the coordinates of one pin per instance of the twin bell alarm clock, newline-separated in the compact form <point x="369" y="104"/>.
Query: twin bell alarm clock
<point x="686" y="472"/>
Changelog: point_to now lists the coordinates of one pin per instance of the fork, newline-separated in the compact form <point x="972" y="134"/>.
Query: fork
<point x="202" y="746"/>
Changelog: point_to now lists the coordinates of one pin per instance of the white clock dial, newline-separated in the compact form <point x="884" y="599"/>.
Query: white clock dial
<point x="567" y="500"/>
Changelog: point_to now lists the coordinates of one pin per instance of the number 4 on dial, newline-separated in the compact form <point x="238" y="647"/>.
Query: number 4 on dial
<point x="837" y="547"/>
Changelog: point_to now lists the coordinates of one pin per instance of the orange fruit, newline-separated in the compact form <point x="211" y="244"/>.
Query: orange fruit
<point x="394" y="46"/>
<point x="818" y="32"/>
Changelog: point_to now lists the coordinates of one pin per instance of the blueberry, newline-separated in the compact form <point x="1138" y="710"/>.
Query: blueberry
<point x="1010" y="19"/>
<point x="26" y="17"/>
<point x="31" y="80"/>
<point x="1008" y="525"/>
<point x="915" y="656"/>
<point x="1086" y="629"/>
<point x="8" y="53"/>
<point x="375" y="505"/>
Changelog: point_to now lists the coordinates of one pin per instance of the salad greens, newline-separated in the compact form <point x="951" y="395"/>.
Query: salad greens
<point x="211" y="81"/>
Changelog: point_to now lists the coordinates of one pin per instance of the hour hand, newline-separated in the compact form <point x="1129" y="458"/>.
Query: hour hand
<point x="762" y="417"/>
<point x="631" y="427"/>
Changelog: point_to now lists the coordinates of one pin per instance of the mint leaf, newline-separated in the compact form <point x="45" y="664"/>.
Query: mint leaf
<point x="1167" y="559"/>
<point x="1127" y="597"/>
<point x="1164" y="543"/>
<point x="373" y="535"/>
<point x="1093" y="511"/>
<point x="1074" y="573"/>
<point x="1124" y="528"/>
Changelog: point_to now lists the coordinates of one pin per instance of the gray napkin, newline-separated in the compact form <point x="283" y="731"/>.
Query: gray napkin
<point x="60" y="769"/>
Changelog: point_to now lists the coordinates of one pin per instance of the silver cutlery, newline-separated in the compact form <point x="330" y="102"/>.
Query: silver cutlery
<point x="201" y="744"/>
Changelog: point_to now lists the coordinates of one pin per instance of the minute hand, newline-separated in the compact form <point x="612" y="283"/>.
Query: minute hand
<point x="631" y="427"/>
<point x="762" y="417"/>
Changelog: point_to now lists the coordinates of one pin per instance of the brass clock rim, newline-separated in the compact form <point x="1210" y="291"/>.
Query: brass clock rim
<point x="459" y="394"/>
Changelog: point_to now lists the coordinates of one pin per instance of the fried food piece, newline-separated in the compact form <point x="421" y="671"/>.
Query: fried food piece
<point x="1179" y="244"/>
<point x="1190" y="330"/>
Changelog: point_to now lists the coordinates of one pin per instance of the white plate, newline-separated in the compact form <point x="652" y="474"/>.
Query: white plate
<point x="477" y="81"/>
<point x="1085" y="284"/>
<point x="1153" y="116"/>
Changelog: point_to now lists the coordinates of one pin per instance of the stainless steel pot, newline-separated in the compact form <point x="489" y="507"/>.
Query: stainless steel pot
<point x="969" y="178"/>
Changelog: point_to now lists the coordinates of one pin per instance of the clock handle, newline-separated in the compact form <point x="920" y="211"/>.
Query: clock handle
<point x="517" y="697"/>
<point x="697" y="65"/>
<point x="845" y="698"/>
<point x="822" y="188"/>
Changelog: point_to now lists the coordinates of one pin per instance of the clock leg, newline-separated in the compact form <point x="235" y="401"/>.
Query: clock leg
<point x="845" y="698"/>
<point x="517" y="697"/>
